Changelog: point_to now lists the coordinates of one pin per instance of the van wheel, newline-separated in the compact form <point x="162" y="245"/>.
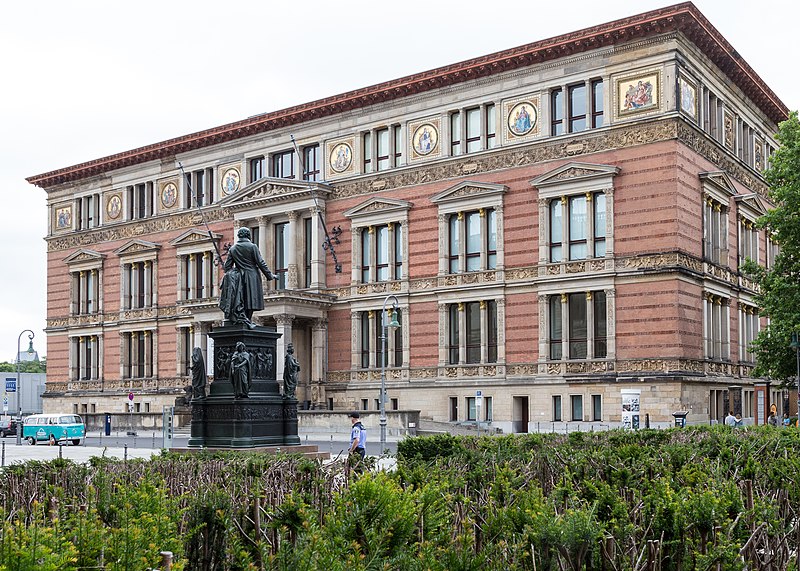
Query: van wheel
<point x="31" y="441"/>
<point x="76" y="442"/>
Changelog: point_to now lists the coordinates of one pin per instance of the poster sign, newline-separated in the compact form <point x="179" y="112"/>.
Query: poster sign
<point x="11" y="385"/>
<point x="630" y="408"/>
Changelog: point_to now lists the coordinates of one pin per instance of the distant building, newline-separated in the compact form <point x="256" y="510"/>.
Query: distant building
<point x="562" y="224"/>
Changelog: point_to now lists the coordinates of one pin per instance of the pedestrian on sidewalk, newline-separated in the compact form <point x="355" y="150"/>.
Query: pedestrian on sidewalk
<point x="358" y="440"/>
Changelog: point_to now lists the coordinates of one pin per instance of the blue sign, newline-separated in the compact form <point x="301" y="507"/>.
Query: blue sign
<point x="11" y="385"/>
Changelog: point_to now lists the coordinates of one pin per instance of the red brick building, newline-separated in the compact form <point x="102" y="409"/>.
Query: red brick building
<point x="561" y="226"/>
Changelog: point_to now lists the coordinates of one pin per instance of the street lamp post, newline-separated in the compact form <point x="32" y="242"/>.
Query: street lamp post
<point x="384" y="327"/>
<point x="19" y="384"/>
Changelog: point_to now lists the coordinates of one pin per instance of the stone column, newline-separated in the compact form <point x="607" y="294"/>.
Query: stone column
<point x="317" y="254"/>
<point x="319" y="344"/>
<point x="292" y="281"/>
<point x="590" y="317"/>
<point x="590" y="226"/>
<point x="357" y="257"/>
<point x="355" y="349"/>
<point x="100" y="353"/>
<point x="501" y="330"/>
<point x="373" y="340"/>
<point x="135" y="354"/>
<point x="611" y="323"/>
<point x="444" y="246"/>
<point x="462" y="335"/>
<point x="564" y="327"/>
<point x="444" y="340"/>
<point x="484" y="329"/>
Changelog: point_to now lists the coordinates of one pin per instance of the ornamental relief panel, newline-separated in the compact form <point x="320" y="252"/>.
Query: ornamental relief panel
<point x="621" y="137"/>
<point x="132" y="230"/>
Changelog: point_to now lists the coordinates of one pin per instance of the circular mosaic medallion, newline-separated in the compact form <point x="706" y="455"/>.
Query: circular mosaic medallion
<point x="425" y="139"/>
<point x="522" y="118"/>
<point x="341" y="157"/>
<point x="230" y="181"/>
<point x="114" y="207"/>
<point x="169" y="195"/>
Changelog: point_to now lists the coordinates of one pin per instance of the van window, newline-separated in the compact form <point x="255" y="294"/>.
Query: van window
<point x="70" y="419"/>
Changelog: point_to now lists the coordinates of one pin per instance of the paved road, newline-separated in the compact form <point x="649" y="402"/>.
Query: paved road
<point x="144" y="445"/>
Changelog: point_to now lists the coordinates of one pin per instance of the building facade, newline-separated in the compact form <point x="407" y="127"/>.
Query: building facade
<point x="561" y="226"/>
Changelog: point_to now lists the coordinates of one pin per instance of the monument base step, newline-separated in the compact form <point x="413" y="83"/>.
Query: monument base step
<point x="307" y="450"/>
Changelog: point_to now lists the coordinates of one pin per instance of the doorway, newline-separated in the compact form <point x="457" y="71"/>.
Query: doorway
<point x="519" y="420"/>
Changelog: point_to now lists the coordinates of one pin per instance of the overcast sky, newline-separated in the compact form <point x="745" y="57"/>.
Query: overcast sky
<point x="86" y="79"/>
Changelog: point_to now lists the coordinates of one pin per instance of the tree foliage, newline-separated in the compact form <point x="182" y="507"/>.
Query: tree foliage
<point x="779" y="295"/>
<point x="24" y="367"/>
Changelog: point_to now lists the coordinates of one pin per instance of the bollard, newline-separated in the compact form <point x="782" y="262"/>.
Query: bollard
<point x="3" y="463"/>
<point x="126" y="451"/>
<point x="166" y="560"/>
<point x="60" y="452"/>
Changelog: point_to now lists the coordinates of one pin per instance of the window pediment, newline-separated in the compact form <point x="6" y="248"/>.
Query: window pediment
<point x="136" y="248"/>
<point x="85" y="257"/>
<point x="575" y="177"/>
<point x="469" y="194"/>
<point x="193" y="237"/>
<point x="751" y="206"/>
<point x="718" y="185"/>
<point x="270" y="189"/>
<point x="376" y="210"/>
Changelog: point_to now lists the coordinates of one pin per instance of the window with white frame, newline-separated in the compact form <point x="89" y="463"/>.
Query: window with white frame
<point x="578" y="325"/>
<point x="137" y="354"/>
<point x="195" y="259"/>
<point x="472" y="332"/>
<point x="716" y="311"/>
<point x="748" y="331"/>
<point x="557" y="408"/>
<point x="597" y="408"/>
<point x="311" y="163"/>
<point x="576" y="211"/>
<point x="281" y="253"/>
<point x="717" y="191"/>
<point x="87" y="211"/>
<point x="371" y="339"/>
<point x="138" y="268"/>
<point x="199" y="187"/>
<point x="283" y="164"/>
<point x="84" y="358"/>
<point x="578" y="227"/>
<point x="472" y="129"/>
<point x="139" y="198"/>
<point x="256" y="168"/>
<point x="85" y="270"/>
<point x="748" y="240"/>
<point x="382" y="148"/>
<point x="470" y="227"/>
<point x="576" y="408"/>
<point x="380" y="241"/>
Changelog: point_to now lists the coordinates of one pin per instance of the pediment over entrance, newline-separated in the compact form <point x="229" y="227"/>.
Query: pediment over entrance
<point x="575" y="171"/>
<point x="753" y="204"/>
<point x="269" y="190"/>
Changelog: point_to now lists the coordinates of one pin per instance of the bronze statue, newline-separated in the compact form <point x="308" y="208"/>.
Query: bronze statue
<point x="198" y="368"/>
<point x="242" y="293"/>
<point x="290" y="369"/>
<point x="241" y="371"/>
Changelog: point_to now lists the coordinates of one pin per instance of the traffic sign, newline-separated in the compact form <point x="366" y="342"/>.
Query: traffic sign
<point x="130" y="396"/>
<point x="11" y="385"/>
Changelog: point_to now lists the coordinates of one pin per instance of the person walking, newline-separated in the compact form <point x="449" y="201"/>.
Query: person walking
<point x="730" y="420"/>
<point x="358" y="439"/>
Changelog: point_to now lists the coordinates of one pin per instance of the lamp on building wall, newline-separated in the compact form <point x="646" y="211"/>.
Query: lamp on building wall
<point x="795" y="344"/>
<point x="19" y="385"/>
<point x="394" y="324"/>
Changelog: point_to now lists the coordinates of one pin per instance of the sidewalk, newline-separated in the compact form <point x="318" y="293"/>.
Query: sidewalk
<point x="10" y="453"/>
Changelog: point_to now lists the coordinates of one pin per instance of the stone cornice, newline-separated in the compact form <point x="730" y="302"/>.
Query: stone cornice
<point x="685" y="18"/>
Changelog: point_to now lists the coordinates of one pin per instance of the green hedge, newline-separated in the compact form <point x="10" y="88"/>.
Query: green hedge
<point x="695" y="498"/>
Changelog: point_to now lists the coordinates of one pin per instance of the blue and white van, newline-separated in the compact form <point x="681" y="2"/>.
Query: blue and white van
<point x="54" y="429"/>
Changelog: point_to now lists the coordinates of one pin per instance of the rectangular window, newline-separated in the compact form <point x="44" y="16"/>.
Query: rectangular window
<point x="715" y="232"/>
<point x="749" y="327"/>
<point x="311" y="163"/>
<point x="366" y="252"/>
<point x="576" y="405"/>
<point x="364" y="404"/>
<point x="556" y="231"/>
<point x="556" y="408"/>
<point x="488" y="413"/>
<point x="283" y="164"/>
<point x="473" y="241"/>
<point x="491" y="239"/>
<point x="382" y="253"/>
<point x="491" y="126"/>
<point x="453" y="241"/>
<point x="717" y="327"/>
<point x="748" y="241"/>
<point x="256" y="170"/>
<point x="577" y="322"/>
<point x="398" y="145"/>
<point x="577" y="227"/>
<point x="380" y="341"/>
<point x="382" y="137"/>
<point x="471" y="409"/>
<point x="397" y="332"/>
<point x="367" y="152"/>
<point x="597" y="103"/>
<point x="599" y="225"/>
<point x="600" y="325"/>
<point x="452" y="338"/>
<point x="472" y="314"/>
<point x="453" y="409"/>
<point x="365" y="337"/>
<point x="455" y="133"/>
<point x="556" y="328"/>
<point x="395" y="404"/>
<point x="281" y="268"/>
<point x="491" y="331"/>
<point x="398" y="251"/>
<point x="597" y="408"/>
<point x="473" y="117"/>
<point x="556" y="112"/>
<point x="577" y="108"/>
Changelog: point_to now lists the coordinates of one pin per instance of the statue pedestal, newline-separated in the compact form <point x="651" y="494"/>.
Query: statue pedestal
<point x="264" y="418"/>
